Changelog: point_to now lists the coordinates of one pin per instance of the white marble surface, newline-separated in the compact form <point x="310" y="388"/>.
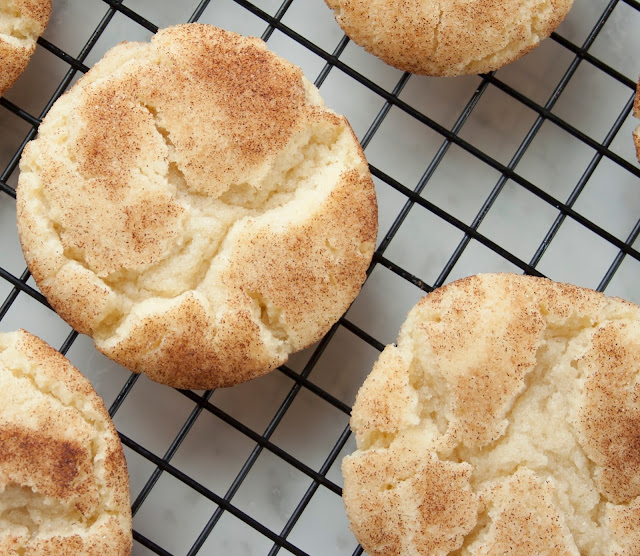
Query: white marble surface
<point x="214" y="451"/>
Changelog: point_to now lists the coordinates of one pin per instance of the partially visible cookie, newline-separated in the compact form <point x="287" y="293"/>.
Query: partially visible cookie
<point x="449" y="37"/>
<point x="193" y="206"/>
<point x="636" y="113"/>
<point x="21" y="23"/>
<point x="64" y="487"/>
<point x="505" y="420"/>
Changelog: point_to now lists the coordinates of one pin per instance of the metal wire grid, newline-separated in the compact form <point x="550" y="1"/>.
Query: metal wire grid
<point x="412" y="196"/>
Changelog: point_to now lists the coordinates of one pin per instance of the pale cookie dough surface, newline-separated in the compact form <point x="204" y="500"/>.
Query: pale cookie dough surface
<point x="449" y="37"/>
<point x="64" y="487"/>
<point x="505" y="420"/>
<point x="21" y="23"/>
<point x="193" y="206"/>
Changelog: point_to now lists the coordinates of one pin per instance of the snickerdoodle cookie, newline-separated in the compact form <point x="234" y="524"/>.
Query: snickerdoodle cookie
<point x="64" y="487"/>
<point x="193" y="206"/>
<point x="505" y="420"/>
<point x="449" y="37"/>
<point x="21" y="23"/>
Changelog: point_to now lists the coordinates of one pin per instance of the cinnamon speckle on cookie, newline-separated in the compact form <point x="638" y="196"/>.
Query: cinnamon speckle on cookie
<point x="21" y="23"/>
<point x="449" y="37"/>
<point x="505" y="419"/>
<point x="193" y="206"/>
<point x="64" y="487"/>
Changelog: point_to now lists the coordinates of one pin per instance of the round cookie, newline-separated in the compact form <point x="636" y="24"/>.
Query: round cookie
<point x="21" y="23"/>
<point x="64" y="487"/>
<point x="636" y="113"/>
<point x="449" y="37"/>
<point x="193" y="206"/>
<point x="505" y="420"/>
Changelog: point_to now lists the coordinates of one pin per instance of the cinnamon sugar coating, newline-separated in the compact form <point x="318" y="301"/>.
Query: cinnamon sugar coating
<point x="21" y="23"/>
<point x="506" y="419"/>
<point x="449" y="37"/>
<point x="64" y="487"/>
<point x="193" y="206"/>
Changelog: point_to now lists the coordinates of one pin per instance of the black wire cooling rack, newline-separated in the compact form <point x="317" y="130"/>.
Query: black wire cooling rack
<point x="529" y="169"/>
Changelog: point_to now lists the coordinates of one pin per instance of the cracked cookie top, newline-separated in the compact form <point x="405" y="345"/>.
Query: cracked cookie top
<point x="21" y="23"/>
<point x="64" y="487"/>
<point x="449" y="37"/>
<point x="193" y="206"/>
<point x="506" y="419"/>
